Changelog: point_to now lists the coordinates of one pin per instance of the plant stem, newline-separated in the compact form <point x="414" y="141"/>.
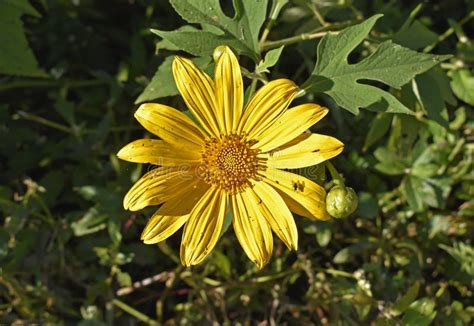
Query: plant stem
<point x="316" y="33"/>
<point x="46" y="122"/>
<point x="291" y="40"/>
<point x="253" y="87"/>
<point x="49" y="83"/>
<point x="318" y="15"/>
<point x="336" y="177"/>
<point x="448" y="32"/>
<point x="278" y="5"/>
<point x="47" y="212"/>
<point x="265" y="33"/>
<point x="135" y="313"/>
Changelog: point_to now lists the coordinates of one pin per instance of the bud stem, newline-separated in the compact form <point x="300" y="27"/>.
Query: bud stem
<point x="336" y="177"/>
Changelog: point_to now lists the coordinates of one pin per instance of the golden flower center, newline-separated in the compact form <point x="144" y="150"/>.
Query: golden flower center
<point x="229" y="163"/>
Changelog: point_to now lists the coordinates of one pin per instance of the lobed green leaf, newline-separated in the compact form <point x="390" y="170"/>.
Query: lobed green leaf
<point x="16" y="57"/>
<point x="390" y="64"/>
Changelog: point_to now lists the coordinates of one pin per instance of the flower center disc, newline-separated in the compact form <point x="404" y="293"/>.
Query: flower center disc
<point x="229" y="162"/>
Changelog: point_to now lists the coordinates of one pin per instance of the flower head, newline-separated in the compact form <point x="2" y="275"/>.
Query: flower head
<point x="232" y="158"/>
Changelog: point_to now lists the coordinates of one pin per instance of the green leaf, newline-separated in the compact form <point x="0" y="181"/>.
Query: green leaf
<point x="390" y="163"/>
<point x="459" y="119"/>
<point x="239" y="32"/>
<point x="464" y="254"/>
<point x="394" y="168"/>
<point x="323" y="236"/>
<point x="227" y="221"/>
<point x="197" y="42"/>
<point x="16" y="58"/>
<point x="430" y="96"/>
<point x="92" y="221"/>
<point x="113" y="227"/>
<point x="390" y="64"/>
<point x="404" y="302"/>
<point x="222" y="263"/>
<point x="368" y="206"/>
<point x="415" y="36"/>
<point x="124" y="279"/>
<point x="411" y="190"/>
<point x="168" y="45"/>
<point x="463" y="85"/>
<point x="23" y="6"/>
<point x="66" y="109"/>
<point x="348" y="253"/>
<point x="271" y="58"/>
<point x="378" y="128"/>
<point x="162" y="83"/>
<point x="442" y="79"/>
<point x="425" y="171"/>
<point x="439" y="224"/>
<point x="420" y="313"/>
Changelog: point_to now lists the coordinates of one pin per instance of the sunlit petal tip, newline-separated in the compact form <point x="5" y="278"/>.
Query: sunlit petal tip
<point x="187" y="257"/>
<point x="228" y="52"/>
<point x="217" y="53"/>
<point x="177" y="60"/>
<point x="142" y="110"/>
<point x="338" y="144"/>
<point x="121" y="153"/>
<point x="126" y="152"/>
<point x="294" y="246"/>
<point x="178" y="65"/>
<point x="288" y="87"/>
<point x="148" y="239"/>
<point x="182" y="63"/>
<point x="144" y="235"/>
<point x="126" y="203"/>
<point x="133" y="207"/>
<point x="263" y="261"/>
<point x="323" y="111"/>
<point x="260" y="264"/>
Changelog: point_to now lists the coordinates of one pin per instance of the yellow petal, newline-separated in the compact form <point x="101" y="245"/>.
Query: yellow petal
<point x="266" y="105"/>
<point x="198" y="92"/>
<point x="159" y="185"/>
<point x="277" y="214"/>
<point x="173" y="214"/>
<point x="229" y="90"/>
<point x="290" y="125"/>
<point x="160" y="227"/>
<point x="183" y="204"/>
<point x="310" y="149"/>
<point x="158" y="152"/>
<point x="204" y="227"/>
<point x="303" y="196"/>
<point x="251" y="228"/>
<point x="170" y="125"/>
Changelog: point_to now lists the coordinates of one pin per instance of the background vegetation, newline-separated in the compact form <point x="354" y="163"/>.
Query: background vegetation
<point x="69" y="253"/>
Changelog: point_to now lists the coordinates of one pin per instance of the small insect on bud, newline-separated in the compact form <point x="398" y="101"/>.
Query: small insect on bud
<point x="218" y="52"/>
<point x="341" y="201"/>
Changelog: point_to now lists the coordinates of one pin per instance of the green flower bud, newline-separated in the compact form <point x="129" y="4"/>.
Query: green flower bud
<point x="341" y="202"/>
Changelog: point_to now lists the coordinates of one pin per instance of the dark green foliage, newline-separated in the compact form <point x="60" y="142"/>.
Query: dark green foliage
<point x="70" y="254"/>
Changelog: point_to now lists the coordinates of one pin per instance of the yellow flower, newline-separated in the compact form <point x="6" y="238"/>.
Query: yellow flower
<point x="232" y="159"/>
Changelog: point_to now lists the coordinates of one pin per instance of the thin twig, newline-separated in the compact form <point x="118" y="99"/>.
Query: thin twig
<point x="293" y="39"/>
<point x="46" y="122"/>
<point x="50" y="83"/>
<point x="162" y="277"/>
<point x="132" y="311"/>
<point x="448" y="33"/>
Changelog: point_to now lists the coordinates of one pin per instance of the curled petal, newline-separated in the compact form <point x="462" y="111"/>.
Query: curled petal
<point x="303" y="196"/>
